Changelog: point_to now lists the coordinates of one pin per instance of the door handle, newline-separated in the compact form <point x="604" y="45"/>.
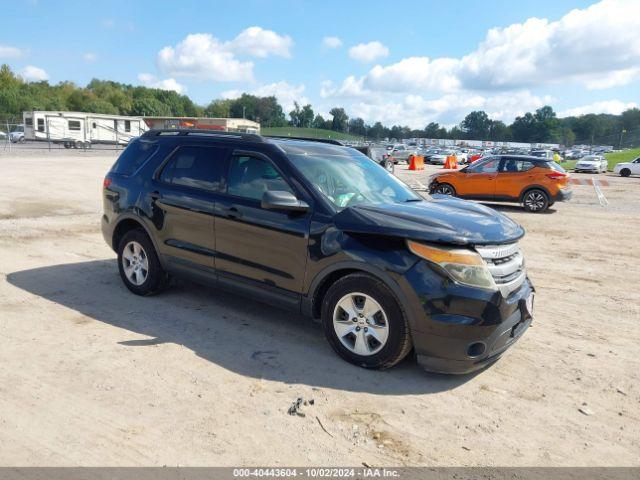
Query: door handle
<point x="233" y="212"/>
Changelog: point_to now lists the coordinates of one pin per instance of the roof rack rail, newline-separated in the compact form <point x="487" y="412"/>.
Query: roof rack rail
<point x="308" y="139"/>
<point x="183" y="132"/>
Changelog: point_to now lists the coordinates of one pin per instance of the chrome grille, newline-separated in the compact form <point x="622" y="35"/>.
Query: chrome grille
<point x="506" y="264"/>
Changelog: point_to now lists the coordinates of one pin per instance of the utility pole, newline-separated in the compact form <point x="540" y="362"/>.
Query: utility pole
<point x="622" y="132"/>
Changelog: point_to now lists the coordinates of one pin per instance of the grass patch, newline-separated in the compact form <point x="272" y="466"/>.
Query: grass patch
<point x="308" y="133"/>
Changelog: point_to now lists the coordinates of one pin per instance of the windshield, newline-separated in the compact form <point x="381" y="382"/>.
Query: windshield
<point x="350" y="179"/>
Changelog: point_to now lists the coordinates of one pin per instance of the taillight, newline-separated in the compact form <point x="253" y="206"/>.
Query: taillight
<point x="557" y="175"/>
<point x="106" y="182"/>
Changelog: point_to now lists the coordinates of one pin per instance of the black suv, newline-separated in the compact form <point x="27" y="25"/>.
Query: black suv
<point x="321" y="229"/>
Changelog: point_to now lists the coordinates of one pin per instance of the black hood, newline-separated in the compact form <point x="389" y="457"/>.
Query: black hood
<point x="440" y="219"/>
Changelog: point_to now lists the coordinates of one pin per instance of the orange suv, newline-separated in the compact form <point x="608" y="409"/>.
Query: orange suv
<point x="535" y="182"/>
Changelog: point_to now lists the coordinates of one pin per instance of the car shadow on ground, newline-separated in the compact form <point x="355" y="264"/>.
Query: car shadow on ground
<point x="237" y="333"/>
<point x="514" y="208"/>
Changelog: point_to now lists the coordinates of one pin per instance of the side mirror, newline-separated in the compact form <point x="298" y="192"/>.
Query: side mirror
<point x="281" y="200"/>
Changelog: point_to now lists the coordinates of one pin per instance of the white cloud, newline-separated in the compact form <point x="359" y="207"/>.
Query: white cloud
<point x="89" y="57"/>
<point x="149" y="80"/>
<point x="598" y="46"/>
<point x="414" y="74"/>
<point x="204" y="57"/>
<point x="7" y="51"/>
<point x="416" y="111"/>
<point x="613" y="107"/>
<point x="34" y="74"/>
<point x="331" y="42"/>
<point x="283" y="91"/>
<point x="258" y="42"/>
<point x="368" y="52"/>
<point x="614" y="79"/>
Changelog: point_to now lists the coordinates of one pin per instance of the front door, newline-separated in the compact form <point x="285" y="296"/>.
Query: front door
<point x="479" y="179"/>
<point x="183" y="201"/>
<point x="258" y="247"/>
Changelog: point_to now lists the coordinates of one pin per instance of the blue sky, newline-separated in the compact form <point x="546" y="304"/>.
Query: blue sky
<point x="407" y="62"/>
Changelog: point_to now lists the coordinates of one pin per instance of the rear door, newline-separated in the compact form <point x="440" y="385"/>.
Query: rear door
<point x="183" y="195"/>
<point x="514" y="176"/>
<point x="258" y="247"/>
<point x="479" y="179"/>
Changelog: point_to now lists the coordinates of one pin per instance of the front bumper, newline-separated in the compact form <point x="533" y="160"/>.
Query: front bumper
<point x="462" y="329"/>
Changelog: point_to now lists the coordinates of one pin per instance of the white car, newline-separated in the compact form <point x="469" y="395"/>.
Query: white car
<point x="628" y="168"/>
<point x="592" y="163"/>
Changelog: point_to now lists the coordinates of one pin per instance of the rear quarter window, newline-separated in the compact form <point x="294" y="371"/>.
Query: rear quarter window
<point x="554" y="166"/>
<point x="134" y="156"/>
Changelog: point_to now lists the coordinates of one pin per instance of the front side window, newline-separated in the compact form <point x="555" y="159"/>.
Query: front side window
<point x="195" y="167"/>
<point x="250" y="177"/>
<point x="74" y="125"/>
<point x="348" y="178"/>
<point x="490" y="165"/>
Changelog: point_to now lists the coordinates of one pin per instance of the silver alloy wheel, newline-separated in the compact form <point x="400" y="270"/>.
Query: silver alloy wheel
<point x="360" y="324"/>
<point x="444" y="190"/>
<point x="534" y="201"/>
<point x="389" y="166"/>
<point x="135" y="263"/>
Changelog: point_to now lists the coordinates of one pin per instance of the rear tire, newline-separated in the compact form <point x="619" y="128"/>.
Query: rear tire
<point x="625" y="172"/>
<point x="535" y="201"/>
<point x="138" y="264"/>
<point x="379" y="337"/>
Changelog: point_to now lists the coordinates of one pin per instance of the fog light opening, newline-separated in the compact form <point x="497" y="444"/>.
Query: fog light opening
<point x="476" y="349"/>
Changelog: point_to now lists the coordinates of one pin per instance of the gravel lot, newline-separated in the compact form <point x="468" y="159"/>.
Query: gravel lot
<point x="92" y="375"/>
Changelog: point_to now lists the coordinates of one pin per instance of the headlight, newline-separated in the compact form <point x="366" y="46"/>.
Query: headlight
<point x="462" y="265"/>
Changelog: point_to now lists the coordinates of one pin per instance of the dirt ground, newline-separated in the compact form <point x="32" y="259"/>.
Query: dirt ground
<point x="92" y="375"/>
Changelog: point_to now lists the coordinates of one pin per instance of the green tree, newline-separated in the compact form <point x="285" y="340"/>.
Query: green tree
<point x="218" y="109"/>
<point x="476" y="125"/>
<point x="340" y="119"/>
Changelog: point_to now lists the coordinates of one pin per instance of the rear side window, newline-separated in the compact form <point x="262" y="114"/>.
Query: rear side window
<point x="134" y="156"/>
<point x="196" y="167"/>
<point x="514" y="166"/>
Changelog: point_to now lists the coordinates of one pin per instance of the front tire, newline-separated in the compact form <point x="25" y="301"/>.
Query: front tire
<point x="445" y="189"/>
<point x="625" y="172"/>
<point x="138" y="264"/>
<point x="364" y="323"/>
<point x="535" y="201"/>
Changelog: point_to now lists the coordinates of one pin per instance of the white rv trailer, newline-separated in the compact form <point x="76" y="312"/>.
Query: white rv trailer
<point x="81" y="130"/>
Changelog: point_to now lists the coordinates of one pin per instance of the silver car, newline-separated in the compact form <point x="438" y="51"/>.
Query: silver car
<point x="592" y="163"/>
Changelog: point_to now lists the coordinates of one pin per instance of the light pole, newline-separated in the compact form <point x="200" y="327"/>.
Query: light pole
<point x="622" y="132"/>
